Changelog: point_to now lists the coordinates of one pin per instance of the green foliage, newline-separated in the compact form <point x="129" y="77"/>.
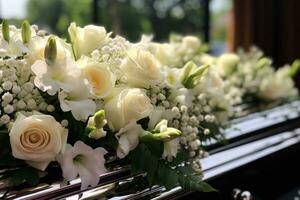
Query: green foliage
<point x="4" y="140"/>
<point x="147" y="158"/>
<point x="7" y="160"/>
<point x="192" y="181"/>
<point x="109" y="142"/>
<point x="215" y="132"/>
<point x="125" y="17"/>
<point x="24" y="175"/>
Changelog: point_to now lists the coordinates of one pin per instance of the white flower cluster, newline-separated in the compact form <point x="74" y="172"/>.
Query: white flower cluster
<point x="17" y="90"/>
<point x="188" y="118"/>
<point x="105" y="85"/>
<point x="112" y="53"/>
<point x="178" y="51"/>
<point x="250" y="76"/>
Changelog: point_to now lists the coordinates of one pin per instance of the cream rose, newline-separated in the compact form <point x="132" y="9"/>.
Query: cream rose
<point x="166" y="54"/>
<point x="141" y="68"/>
<point x="86" y="39"/>
<point x="37" y="139"/>
<point x="129" y="104"/>
<point x="99" y="76"/>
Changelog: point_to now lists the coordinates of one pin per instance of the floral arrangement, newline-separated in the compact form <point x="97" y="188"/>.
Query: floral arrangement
<point x="256" y="78"/>
<point x="69" y="109"/>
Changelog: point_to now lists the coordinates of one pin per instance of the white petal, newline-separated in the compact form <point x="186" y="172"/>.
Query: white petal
<point x="170" y="149"/>
<point x="129" y="138"/>
<point x="38" y="165"/>
<point x="81" y="110"/>
<point x="88" y="175"/>
<point x="39" y="67"/>
<point x="66" y="162"/>
<point x="155" y="116"/>
<point x="124" y="147"/>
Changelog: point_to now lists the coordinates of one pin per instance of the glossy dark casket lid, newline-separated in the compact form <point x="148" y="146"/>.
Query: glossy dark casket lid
<point x="257" y="144"/>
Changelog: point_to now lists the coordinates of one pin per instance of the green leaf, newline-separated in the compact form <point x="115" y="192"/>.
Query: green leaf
<point x="25" y="175"/>
<point x="181" y="157"/>
<point x="155" y="147"/>
<point x="143" y="160"/>
<point x="108" y="142"/>
<point x="4" y="139"/>
<point x="151" y="169"/>
<point x="7" y="160"/>
<point x="204" y="187"/>
<point x="167" y="176"/>
<point x="192" y="181"/>
<point x="136" y="160"/>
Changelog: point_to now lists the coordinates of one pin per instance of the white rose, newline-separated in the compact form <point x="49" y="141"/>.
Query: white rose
<point x="141" y="68"/>
<point x="37" y="139"/>
<point x="86" y="39"/>
<point x="166" y="54"/>
<point x="100" y="78"/>
<point x="126" y="105"/>
<point x="227" y="63"/>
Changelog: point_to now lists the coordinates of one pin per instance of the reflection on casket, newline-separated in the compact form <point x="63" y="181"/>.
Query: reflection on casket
<point x="261" y="157"/>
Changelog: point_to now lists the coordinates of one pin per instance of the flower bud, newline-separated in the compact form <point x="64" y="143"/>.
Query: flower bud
<point x="167" y="135"/>
<point x="192" y="74"/>
<point x="50" y="50"/>
<point x="5" y="30"/>
<point x="95" y="125"/>
<point x="262" y="63"/>
<point x="99" y="119"/>
<point x="26" y="32"/>
<point x="295" y="68"/>
<point x="161" y="126"/>
<point x="97" y="133"/>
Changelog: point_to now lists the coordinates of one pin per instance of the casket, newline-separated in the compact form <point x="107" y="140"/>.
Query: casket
<point x="259" y="161"/>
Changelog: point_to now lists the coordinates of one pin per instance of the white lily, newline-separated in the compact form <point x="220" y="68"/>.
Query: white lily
<point x="128" y="138"/>
<point x="76" y="99"/>
<point x="51" y="79"/>
<point x="15" y="45"/>
<point x="83" y="160"/>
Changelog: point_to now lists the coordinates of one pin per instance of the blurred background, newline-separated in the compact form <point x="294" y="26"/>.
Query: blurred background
<point x="225" y="25"/>
<point x="130" y="18"/>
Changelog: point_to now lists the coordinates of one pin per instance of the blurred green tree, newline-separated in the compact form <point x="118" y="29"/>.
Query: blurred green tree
<point x="130" y="18"/>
